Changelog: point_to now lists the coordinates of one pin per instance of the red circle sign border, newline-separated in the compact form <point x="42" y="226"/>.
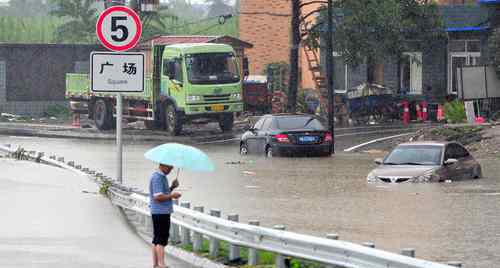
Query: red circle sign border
<point x="134" y="16"/>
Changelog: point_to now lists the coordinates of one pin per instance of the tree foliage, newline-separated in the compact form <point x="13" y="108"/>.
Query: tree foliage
<point x="81" y="18"/>
<point x="377" y="29"/>
<point x="25" y="8"/>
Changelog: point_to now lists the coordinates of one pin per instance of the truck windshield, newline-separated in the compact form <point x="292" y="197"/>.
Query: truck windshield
<point x="212" y="68"/>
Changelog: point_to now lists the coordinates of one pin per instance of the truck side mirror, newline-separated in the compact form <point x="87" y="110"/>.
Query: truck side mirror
<point x="378" y="161"/>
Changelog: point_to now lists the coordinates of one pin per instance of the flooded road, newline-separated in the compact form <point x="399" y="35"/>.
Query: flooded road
<point x="452" y="221"/>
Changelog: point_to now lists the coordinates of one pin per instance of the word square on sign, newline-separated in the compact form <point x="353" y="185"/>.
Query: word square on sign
<point x="117" y="72"/>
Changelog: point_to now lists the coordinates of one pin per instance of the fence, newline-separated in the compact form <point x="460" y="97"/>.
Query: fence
<point x="190" y="226"/>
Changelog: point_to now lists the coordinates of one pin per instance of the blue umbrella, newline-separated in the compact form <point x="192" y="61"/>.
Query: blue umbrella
<point x="180" y="156"/>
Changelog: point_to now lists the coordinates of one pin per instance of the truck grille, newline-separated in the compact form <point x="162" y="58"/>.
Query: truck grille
<point x="216" y="98"/>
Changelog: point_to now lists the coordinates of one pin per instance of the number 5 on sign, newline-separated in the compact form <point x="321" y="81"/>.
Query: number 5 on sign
<point x="119" y="28"/>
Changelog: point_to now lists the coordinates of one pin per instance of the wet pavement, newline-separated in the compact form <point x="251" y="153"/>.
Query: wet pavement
<point x="443" y="222"/>
<point x="48" y="221"/>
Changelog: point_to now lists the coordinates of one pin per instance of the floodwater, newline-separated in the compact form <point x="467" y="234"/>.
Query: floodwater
<point x="443" y="222"/>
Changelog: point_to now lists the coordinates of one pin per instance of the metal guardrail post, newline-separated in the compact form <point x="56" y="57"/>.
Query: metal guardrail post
<point x="332" y="236"/>
<point x="185" y="232"/>
<point x="280" y="259"/>
<point x="214" y="242"/>
<point x="408" y="252"/>
<point x="455" y="263"/>
<point x="369" y="244"/>
<point x="253" y="256"/>
<point x="197" y="237"/>
<point x="174" y="229"/>
<point x="234" y="251"/>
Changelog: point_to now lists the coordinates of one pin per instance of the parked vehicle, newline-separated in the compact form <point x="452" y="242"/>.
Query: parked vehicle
<point x="287" y="134"/>
<point x="256" y="96"/>
<point x="184" y="82"/>
<point x="371" y="101"/>
<point x="426" y="162"/>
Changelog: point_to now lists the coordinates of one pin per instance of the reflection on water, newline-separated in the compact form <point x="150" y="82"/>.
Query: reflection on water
<point x="452" y="221"/>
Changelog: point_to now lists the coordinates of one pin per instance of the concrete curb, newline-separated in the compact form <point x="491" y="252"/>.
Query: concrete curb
<point x="186" y="256"/>
<point x="54" y="131"/>
<point x="180" y="254"/>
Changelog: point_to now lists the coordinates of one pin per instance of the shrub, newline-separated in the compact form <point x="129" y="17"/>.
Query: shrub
<point x="58" y="111"/>
<point x="454" y="112"/>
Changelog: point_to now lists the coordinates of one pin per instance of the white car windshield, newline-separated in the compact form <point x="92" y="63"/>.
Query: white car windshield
<point x="415" y="155"/>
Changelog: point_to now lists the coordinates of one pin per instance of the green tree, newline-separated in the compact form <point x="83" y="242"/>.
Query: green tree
<point x="154" y="23"/>
<point x="81" y="18"/>
<point x="374" y="30"/>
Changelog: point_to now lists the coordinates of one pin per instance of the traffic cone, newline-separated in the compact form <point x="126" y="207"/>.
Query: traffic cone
<point x="406" y="112"/>
<point x="440" y="113"/>
<point x="76" y="120"/>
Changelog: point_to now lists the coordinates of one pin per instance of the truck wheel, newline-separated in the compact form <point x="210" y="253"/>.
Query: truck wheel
<point x="226" y="122"/>
<point x="173" y="120"/>
<point x="103" y="115"/>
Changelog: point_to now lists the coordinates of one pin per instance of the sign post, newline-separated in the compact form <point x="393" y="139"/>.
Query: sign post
<point x="119" y="29"/>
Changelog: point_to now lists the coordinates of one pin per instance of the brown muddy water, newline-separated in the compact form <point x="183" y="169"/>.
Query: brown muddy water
<point x="443" y="222"/>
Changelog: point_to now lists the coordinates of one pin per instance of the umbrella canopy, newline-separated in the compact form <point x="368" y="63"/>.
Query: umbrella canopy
<point x="180" y="156"/>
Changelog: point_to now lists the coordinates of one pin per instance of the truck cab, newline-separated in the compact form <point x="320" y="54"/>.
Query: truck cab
<point x="198" y="81"/>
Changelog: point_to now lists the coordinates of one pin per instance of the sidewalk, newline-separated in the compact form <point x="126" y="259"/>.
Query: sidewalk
<point x="54" y="218"/>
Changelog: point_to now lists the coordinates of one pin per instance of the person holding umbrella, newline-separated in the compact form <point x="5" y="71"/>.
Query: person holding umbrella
<point x="160" y="200"/>
<point x="161" y="195"/>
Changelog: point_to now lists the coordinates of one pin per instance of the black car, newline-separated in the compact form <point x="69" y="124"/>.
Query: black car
<point x="287" y="134"/>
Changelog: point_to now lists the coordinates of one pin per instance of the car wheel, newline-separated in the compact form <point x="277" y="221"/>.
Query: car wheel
<point x="243" y="149"/>
<point x="269" y="152"/>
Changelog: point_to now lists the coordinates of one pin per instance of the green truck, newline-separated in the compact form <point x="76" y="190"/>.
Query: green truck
<point x="184" y="83"/>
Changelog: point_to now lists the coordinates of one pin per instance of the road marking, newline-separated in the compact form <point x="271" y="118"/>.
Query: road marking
<point x="377" y="140"/>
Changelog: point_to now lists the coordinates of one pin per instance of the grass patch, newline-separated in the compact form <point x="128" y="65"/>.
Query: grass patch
<point x="266" y="259"/>
<point x="58" y="111"/>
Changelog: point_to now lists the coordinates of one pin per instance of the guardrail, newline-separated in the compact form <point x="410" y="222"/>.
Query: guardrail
<point x="189" y="226"/>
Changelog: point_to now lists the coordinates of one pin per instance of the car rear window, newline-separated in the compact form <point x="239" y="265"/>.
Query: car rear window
<point x="302" y="122"/>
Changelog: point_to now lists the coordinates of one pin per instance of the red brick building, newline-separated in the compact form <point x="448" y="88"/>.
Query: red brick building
<point x="266" y="24"/>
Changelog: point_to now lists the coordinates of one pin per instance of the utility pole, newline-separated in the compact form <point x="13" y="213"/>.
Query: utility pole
<point x="329" y="74"/>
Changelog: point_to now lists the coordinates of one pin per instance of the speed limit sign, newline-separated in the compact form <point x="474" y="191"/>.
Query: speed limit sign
<point x="119" y="28"/>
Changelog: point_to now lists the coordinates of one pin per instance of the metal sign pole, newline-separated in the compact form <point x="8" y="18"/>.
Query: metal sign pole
<point x="119" y="149"/>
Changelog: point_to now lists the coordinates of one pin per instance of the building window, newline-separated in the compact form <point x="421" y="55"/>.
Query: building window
<point x="411" y="73"/>
<point x="341" y="78"/>
<point x="461" y="53"/>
